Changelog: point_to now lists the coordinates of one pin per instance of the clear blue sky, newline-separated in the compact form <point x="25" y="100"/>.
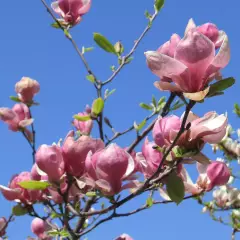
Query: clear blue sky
<point x="30" y="47"/>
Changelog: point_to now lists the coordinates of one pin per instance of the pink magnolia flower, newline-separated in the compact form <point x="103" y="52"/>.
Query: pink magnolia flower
<point x="149" y="158"/>
<point x="210" y="128"/>
<point x="218" y="173"/>
<point x="3" y="223"/>
<point x="190" y="64"/>
<point x="49" y="159"/>
<point x="124" y="237"/>
<point x="209" y="30"/>
<point x="26" y="89"/>
<point x="35" y="173"/>
<point x="14" y="192"/>
<point x="17" y="118"/>
<point x="40" y="228"/>
<point x="85" y="127"/>
<point x="71" y="10"/>
<point x="109" y="168"/>
<point x="210" y="175"/>
<point x="163" y="129"/>
<point x="75" y="152"/>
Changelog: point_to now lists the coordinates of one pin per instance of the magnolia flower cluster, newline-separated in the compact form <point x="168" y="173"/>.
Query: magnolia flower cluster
<point x="189" y="64"/>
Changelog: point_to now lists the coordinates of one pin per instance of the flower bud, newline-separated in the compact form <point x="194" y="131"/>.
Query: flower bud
<point x="75" y="152"/>
<point x="7" y="114"/>
<point x="109" y="167"/>
<point x="119" y="47"/>
<point x="163" y="129"/>
<point x="40" y="228"/>
<point x="49" y="159"/>
<point x="218" y="173"/>
<point x="26" y="89"/>
<point x="85" y="127"/>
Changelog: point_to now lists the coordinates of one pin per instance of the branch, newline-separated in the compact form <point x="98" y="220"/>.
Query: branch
<point x="69" y="37"/>
<point x="126" y="58"/>
<point x="34" y="138"/>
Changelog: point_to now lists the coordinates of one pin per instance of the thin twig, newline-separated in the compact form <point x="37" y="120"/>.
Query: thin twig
<point x="33" y="138"/>
<point x="126" y="58"/>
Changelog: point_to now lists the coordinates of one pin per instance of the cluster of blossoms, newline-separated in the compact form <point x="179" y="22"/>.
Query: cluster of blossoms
<point x="82" y="163"/>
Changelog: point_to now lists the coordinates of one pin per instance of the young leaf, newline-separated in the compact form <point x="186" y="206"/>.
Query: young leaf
<point x="148" y="15"/>
<point x="15" y="99"/>
<point x="34" y="185"/>
<point x="237" y="109"/>
<point x="154" y="101"/>
<point x="220" y="86"/>
<point x="97" y="106"/>
<point x="18" y="210"/>
<point x="177" y="105"/>
<point x="175" y="188"/>
<point x="149" y="202"/>
<point x="140" y="126"/>
<point x="108" y="94"/>
<point x="128" y="60"/>
<point x="103" y="43"/>
<point x="91" y="194"/>
<point x="158" y="5"/>
<point x="90" y="78"/>
<point x="82" y="118"/>
<point x="145" y="106"/>
<point x="84" y="50"/>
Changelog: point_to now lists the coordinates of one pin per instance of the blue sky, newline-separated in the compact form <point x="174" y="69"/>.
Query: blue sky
<point x="30" y="47"/>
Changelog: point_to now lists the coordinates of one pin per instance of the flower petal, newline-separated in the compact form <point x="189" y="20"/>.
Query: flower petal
<point x="197" y="96"/>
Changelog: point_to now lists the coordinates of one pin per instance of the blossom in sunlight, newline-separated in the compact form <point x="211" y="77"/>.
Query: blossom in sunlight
<point x="40" y="228"/>
<point x="109" y="168"/>
<point x="189" y="64"/>
<point x="75" y="152"/>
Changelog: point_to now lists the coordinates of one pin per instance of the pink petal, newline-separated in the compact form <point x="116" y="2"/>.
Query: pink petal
<point x="166" y="86"/>
<point x="86" y="6"/>
<point x="191" y="25"/>
<point x="164" y="66"/>
<point x="196" y="51"/>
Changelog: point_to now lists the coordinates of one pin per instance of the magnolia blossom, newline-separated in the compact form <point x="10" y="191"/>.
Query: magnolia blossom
<point x="75" y="152"/>
<point x="85" y="127"/>
<point x="207" y="179"/>
<point x="71" y="10"/>
<point x="49" y="159"/>
<point x="149" y="158"/>
<point x="210" y="128"/>
<point x="17" y="118"/>
<point x="3" y="223"/>
<point x="189" y="64"/>
<point x="124" y="237"/>
<point x="40" y="228"/>
<point x="26" y="89"/>
<point x="109" y="168"/>
<point x="163" y="128"/>
<point x="14" y="192"/>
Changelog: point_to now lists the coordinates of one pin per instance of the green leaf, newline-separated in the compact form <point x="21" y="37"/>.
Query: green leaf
<point x="34" y="185"/>
<point x="91" y="194"/>
<point x="98" y="106"/>
<point x="128" y="60"/>
<point x="53" y="233"/>
<point x="90" y="78"/>
<point x="177" y="105"/>
<point x="103" y="43"/>
<point x="108" y="94"/>
<point x="19" y="210"/>
<point x="149" y="202"/>
<point x="146" y="106"/>
<point x="55" y="215"/>
<point x="175" y="188"/>
<point x="55" y="25"/>
<point x="161" y="101"/>
<point x="148" y="15"/>
<point x="64" y="233"/>
<point x="154" y="101"/>
<point x="237" y="109"/>
<point x="84" y="50"/>
<point x="220" y="86"/>
<point x="82" y="118"/>
<point x="158" y="5"/>
<point x="67" y="34"/>
<point x="15" y="99"/>
<point x="140" y="126"/>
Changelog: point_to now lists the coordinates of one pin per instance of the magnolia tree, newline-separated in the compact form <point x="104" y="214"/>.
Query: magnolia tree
<point x="83" y="181"/>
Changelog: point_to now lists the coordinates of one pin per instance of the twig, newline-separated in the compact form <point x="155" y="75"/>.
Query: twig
<point x="34" y="138"/>
<point x="126" y="58"/>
